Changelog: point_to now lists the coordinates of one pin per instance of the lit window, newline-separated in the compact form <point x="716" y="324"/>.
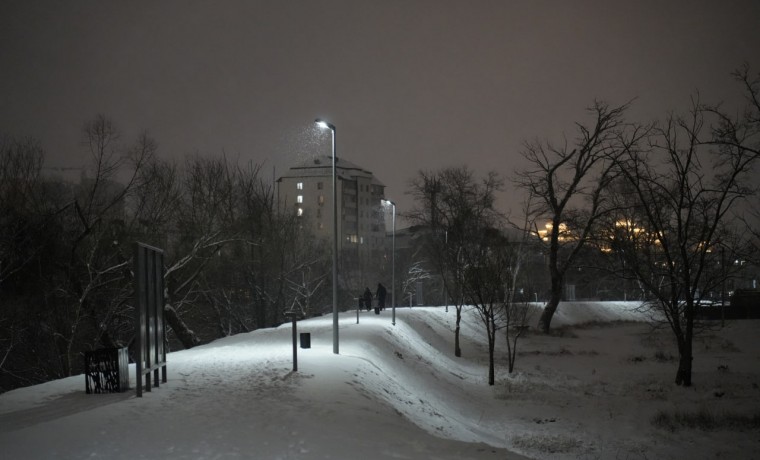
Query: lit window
<point x="299" y="186"/>
<point x="321" y="199"/>
<point x="299" y="199"/>
<point x="299" y="213"/>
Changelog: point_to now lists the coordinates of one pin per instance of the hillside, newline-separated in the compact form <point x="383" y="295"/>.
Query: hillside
<point x="588" y="391"/>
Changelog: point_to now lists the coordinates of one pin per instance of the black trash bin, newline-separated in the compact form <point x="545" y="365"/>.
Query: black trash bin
<point x="305" y="340"/>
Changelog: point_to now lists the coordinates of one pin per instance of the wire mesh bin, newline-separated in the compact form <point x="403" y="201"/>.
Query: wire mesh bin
<point x="106" y="370"/>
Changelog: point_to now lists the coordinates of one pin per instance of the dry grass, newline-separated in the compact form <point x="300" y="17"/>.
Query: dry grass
<point x="705" y="420"/>
<point x="545" y="443"/>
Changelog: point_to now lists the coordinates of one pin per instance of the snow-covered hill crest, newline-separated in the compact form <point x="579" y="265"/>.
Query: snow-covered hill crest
<point x="398" y="392"/>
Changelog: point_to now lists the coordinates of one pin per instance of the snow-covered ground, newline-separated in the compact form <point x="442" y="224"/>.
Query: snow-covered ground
<point x="397" y="392"/>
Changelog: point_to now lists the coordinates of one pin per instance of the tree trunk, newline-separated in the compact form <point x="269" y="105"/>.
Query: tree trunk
<point x="491" y="330"/>
<point x="683" y="376"/>
<point x="555" y="296"/>
<point x="185" y="335"/>
<point x="685" y="352"/>
<point x="512" y="349"/>
<point x="457" y="349"/>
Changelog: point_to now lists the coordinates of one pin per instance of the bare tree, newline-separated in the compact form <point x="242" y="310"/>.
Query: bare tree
<point x="284" y="253"/>
<point x="486" y="268"/>
<point x="232" y="260"/>
<point x="27" y="221"/>
<point x="741" y="133"/>
<point x="415" y="273"/>
<point x="491" y="266"/>
<point x="304" y="292"/>
<point x="23" y="211"/>
<point x="684" y="189"/>
<point x="70" y="235"/>
<point x="95" y="270"/>
<point x="66" y="281"/>
<point x="449" y="203"/>
<point x="517" y="313"/>
<point x="565" y="185"/>
<point x="427" y="190"/>
<point x="492" y="263"/>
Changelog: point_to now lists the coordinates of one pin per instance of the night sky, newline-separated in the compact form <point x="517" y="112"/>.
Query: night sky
<point x="409" y="84"/>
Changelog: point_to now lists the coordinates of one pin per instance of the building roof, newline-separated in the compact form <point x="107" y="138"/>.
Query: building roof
<point x="321" y="166"/>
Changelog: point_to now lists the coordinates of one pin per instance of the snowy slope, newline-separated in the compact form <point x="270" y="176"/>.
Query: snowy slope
<point x="393" y="392"/>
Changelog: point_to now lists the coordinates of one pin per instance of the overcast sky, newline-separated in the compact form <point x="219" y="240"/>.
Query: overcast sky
<point x="409" y="84"/>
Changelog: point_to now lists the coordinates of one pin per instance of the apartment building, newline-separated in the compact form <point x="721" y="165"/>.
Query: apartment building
<point x="306" y="191"/>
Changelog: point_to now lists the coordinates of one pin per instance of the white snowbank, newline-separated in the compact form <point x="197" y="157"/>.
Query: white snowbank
<point x="398" y="392"/>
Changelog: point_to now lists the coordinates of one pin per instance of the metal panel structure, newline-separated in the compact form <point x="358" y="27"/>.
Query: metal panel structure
<point x="150" y="354"/>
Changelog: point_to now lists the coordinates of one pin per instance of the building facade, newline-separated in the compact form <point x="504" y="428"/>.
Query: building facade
<point x="306" y="191"/>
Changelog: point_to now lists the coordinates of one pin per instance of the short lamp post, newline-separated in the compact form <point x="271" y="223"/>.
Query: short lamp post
<point x="325" y="125"/>
<point x="393" y="260"/>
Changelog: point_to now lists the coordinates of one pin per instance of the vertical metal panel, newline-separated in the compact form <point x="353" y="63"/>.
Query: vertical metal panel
<point x="160" y="324"/>
<point x="149" y="317"/>
<point x="140" y="316"/>
<point x="151" y="313"/>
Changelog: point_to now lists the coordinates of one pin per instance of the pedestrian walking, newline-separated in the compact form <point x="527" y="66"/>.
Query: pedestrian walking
<point x="380" y="294"/>
<point x="367" y="299"/>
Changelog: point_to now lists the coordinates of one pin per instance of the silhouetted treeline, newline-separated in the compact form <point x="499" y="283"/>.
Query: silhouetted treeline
<point x="234" y="263"/>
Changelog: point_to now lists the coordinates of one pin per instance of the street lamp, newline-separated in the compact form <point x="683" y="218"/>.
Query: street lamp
<point x="325" y="125"/>
<point x="393" y="260"/>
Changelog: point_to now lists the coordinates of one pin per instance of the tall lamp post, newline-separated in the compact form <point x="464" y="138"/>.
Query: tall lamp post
<point x="325" y="125"/>
<point x="393" y="260"/>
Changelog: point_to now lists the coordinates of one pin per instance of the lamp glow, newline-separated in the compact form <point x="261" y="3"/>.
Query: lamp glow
<point x="324" y="125"/>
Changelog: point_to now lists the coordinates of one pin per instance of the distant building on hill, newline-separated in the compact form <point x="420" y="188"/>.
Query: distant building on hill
<point x="306" y="191"/>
